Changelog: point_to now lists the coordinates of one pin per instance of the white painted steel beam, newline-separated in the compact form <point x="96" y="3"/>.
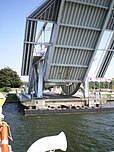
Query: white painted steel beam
<point x="74" y="47"/>
<point x="39" y="43"/>
<point x="111" y="50"/>
<point x="82" y="27"/>
<point x="64" y="81"/>
<point x="41" y="20"/>
<point x="69" y="65"/>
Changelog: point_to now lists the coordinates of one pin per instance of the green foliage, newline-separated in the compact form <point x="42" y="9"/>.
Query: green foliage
<point x="1" y="89"/>
<point x="101" y="85"/>
<point x="9" y="78"/>
<point x="7" y="89"/>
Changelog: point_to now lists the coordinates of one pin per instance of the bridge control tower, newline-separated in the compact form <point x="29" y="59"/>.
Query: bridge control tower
<point x="77" y="27"/>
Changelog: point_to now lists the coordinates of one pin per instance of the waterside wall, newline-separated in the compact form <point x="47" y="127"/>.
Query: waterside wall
<point x="66" y="111"/>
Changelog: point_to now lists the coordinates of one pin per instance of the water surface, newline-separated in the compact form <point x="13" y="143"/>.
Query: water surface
<point x="92" y="132"/>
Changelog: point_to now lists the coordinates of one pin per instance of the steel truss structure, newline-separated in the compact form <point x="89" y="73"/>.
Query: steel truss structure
<point x="77" y="27"/>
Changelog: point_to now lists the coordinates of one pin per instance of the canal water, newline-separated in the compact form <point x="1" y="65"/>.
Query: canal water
<point x="92" y="132"/>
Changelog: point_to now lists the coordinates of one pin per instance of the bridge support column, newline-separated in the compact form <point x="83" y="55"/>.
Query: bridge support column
<point x="87" y="90"/>
<point x="40" y="80"/>
<point x="87" y="87"/>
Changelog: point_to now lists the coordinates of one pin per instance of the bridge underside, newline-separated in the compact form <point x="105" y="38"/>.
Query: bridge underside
<point x="76" y="30"/>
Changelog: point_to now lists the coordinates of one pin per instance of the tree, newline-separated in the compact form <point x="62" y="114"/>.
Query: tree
<point x="9" y="78"/>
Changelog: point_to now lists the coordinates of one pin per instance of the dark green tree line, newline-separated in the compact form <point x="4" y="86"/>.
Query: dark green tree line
<point x="9" y="78"/>
<point x="101" y="85"/>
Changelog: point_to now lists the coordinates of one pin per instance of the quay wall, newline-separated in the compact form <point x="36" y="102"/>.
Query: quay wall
<point x="65" y="111"/>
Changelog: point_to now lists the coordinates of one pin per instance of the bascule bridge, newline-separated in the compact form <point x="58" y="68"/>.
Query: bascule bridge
<point x="61" y="40"/>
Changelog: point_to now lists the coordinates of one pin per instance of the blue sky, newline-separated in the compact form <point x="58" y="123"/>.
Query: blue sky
<point x="12" y="26"/>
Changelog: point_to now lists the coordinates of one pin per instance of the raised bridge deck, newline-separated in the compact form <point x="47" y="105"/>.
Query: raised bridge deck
<point x="77" y="28"/>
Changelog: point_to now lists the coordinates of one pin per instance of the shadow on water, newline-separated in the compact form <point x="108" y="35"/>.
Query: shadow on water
<point x="85" y="132"/>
